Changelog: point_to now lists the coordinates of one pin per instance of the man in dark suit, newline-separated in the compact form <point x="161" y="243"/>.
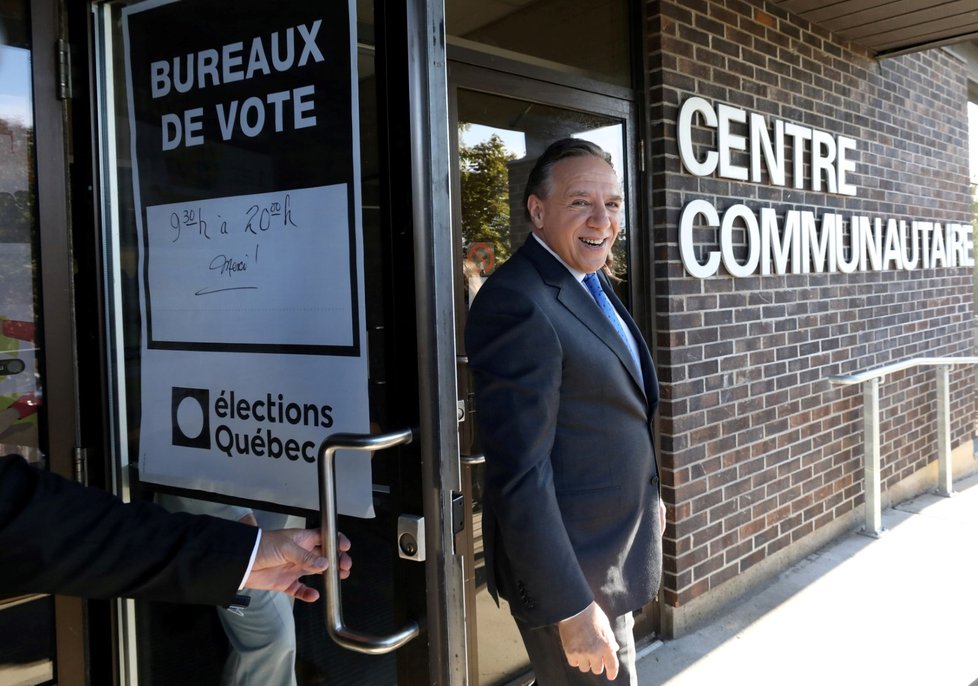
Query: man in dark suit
<point x="565" y="394"/>
<point x="57" y="536"/>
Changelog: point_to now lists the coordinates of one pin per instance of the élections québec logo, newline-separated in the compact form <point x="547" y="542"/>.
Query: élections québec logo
<point x="245" y="426"/>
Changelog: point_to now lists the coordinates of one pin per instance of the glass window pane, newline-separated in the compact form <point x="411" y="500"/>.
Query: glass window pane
<point x="500" y="140"/>
<point x="973" y="140"/>
<point x="27" y="645"/>
<point x="20" y="388"/>
<point x="26" y="624"/>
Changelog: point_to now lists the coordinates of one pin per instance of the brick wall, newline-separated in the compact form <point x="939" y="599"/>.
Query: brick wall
<point x="758" y="449"/>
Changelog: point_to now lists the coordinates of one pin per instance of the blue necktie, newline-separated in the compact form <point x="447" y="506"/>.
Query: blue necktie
<point x="607" y="309"/>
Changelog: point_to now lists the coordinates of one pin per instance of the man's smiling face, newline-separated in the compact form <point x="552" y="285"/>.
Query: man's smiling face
<point x="580" y="217"/>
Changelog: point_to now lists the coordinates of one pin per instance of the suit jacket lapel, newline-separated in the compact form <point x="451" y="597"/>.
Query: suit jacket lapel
<point x="579" y="302"/>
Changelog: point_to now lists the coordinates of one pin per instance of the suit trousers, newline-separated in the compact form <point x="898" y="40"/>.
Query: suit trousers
<point x="550" y="665"/>
<point x="262" y="638"/>
<point x="261" y="635"/>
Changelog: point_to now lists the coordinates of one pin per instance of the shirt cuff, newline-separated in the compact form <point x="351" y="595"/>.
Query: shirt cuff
<point x="575" y="614"/>
<point x="251" y="562"/>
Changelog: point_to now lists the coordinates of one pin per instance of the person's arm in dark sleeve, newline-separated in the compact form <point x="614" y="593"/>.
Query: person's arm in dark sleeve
<point x="57" y="536"/>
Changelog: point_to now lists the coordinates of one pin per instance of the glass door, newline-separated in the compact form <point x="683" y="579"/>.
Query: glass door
<point x="317" y="312"/>
<point x="501" y="124"/>
<point x="40" y="636"/>
<point x="26" y="656"/>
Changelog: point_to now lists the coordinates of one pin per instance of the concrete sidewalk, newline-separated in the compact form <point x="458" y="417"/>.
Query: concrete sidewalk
<point x="894" y="611"/>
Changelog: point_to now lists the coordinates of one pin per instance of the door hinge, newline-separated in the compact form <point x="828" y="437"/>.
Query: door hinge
<point x="63" y="49"/>
<point x="81" y="466"/>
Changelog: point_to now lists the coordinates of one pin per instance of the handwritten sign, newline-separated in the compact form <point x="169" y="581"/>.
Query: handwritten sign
<point x="246" y="189"/>
<point x="272" y="268"/>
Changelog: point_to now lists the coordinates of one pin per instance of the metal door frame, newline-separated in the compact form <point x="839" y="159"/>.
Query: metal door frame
<point x="495" y="77"/>
<point x="471" y="71"/>
<point x="57" y="310"/>
<point x="434" y="292"/>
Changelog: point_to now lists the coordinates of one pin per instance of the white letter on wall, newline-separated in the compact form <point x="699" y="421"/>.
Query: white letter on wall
<point x="727" y="141"/>
<point x="847" y="266"/>
<point x="798" y="134"/>
<point x="685" y="136"/>
<point x="779" y="246"/>
<point x="967" y="245"/>
<point x="726" y="241"/>
<point x="891" y="247"/>
<point x="823" y="160"/>
<point x="845" y="165"/>
<point x="820" y="247"/>
<point x="760" y="142"/>
<point x="687" y="249"/>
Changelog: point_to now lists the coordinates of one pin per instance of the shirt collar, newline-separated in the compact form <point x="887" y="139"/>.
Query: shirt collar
<point x="576" y="274"/>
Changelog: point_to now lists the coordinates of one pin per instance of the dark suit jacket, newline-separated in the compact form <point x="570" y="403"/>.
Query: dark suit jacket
<point x="571" y="491"/>
<point x="57" y="536"/>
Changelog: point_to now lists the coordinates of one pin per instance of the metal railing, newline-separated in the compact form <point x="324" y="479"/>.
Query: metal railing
<point x="870" y="381"/>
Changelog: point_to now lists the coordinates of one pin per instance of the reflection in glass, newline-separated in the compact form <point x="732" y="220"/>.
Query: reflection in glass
<point x="500" y="140"/>
<point x="26" y="623"/>
<point x="20" y="393"/>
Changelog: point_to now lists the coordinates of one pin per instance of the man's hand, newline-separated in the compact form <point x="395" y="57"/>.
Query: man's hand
<point x="287" y="554"/>
<point x="589" y="643"/>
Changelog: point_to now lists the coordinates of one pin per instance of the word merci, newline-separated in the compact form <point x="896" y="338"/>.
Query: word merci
<point x="212" y="67"/>
<point x="801" y="243"/>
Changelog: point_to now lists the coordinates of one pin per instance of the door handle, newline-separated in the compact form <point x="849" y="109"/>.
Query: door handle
<point x="338" y="631"/>
<point x="472" y="460"/>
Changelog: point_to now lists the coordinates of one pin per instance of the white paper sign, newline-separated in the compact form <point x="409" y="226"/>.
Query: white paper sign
<point x="246" y="194"/>
<point x="271" y="269"/>
<point x="251" y="425"/>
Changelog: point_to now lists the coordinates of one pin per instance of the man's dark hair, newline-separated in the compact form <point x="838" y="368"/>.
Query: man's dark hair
<point x="538" y="183"/>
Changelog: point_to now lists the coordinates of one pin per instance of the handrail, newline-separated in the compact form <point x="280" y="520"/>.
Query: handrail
<point x="880" y="372"/>
<point x="870" y="379"/>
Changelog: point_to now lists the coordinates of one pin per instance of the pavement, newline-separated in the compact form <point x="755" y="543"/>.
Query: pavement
<point x="898" y="610"/>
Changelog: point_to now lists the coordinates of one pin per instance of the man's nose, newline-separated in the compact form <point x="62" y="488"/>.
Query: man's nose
<point x="600" y="217"/>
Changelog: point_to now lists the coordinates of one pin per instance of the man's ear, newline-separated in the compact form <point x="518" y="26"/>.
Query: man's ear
<point x="534" y="205"/>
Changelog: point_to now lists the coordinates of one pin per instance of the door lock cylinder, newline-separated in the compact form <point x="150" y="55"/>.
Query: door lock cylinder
<point x="410" y="537"/>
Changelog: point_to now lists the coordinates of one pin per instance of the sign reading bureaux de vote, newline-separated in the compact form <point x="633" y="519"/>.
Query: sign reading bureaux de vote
<point x="797" y="241"/>
<point x="246" y="184"/>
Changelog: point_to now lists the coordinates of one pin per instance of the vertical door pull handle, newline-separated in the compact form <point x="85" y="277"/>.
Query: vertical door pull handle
<point x="343" y="635"/>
